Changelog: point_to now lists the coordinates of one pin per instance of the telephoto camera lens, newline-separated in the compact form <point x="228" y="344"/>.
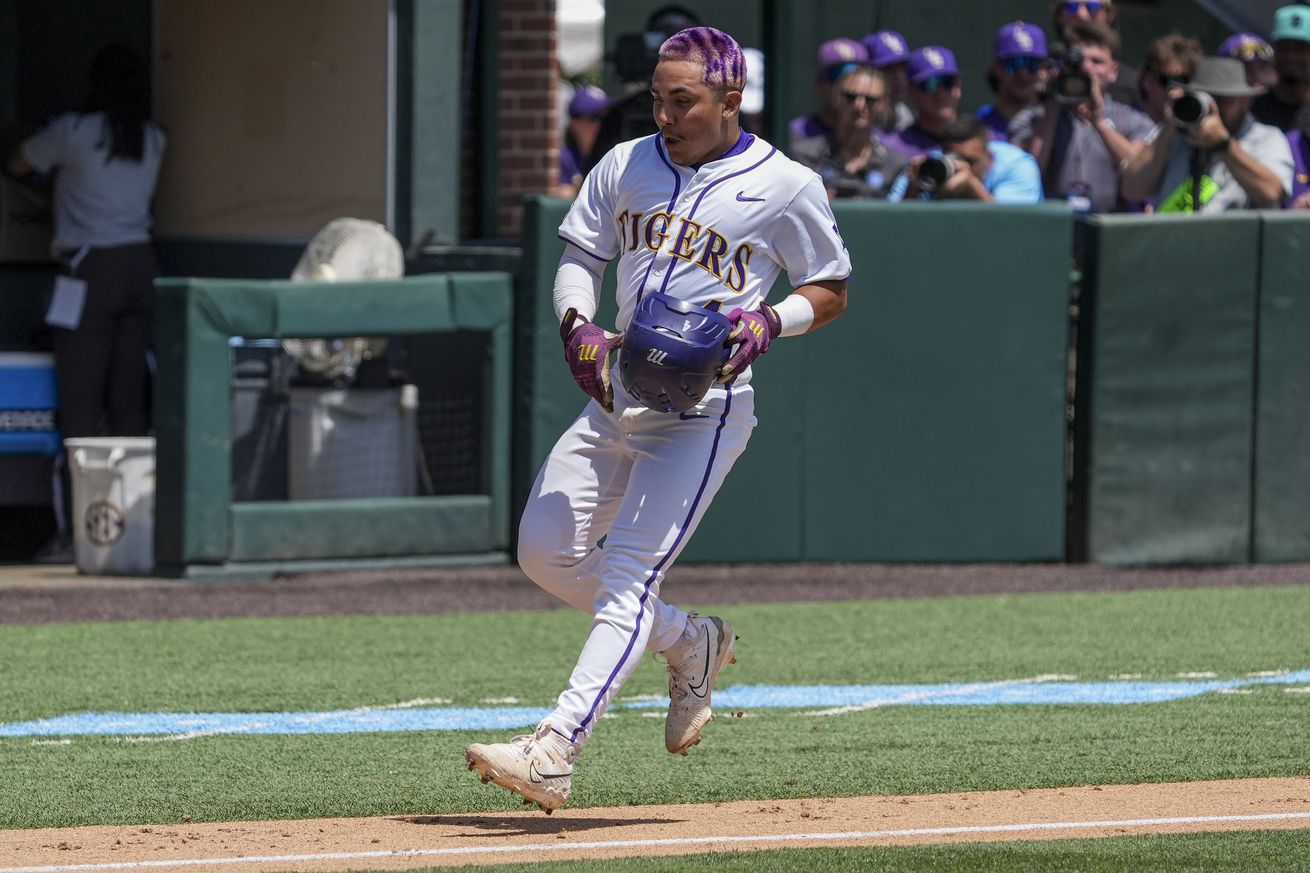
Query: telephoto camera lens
<point x="1190" y="108"/>
<point x="933" y="172"/>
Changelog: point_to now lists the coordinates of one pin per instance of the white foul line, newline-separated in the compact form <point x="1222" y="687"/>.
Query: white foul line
<point x="671" y="841"/>
<point x="924" y="694"/>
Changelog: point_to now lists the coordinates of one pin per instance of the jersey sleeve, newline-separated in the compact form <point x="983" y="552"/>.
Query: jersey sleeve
<point x="805" y="237"/>
<point x="589" y="224"/>
<point x="46" y="148"/>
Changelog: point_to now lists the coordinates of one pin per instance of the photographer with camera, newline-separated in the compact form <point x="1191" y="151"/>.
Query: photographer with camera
<point x="850" y="159"/>
<point x="971" y="166"/>
<point x="1212" y="151"/>
<point x="1170" y="61"/>
<point x="1079" y="134"/>
<point x="634" y="58"/>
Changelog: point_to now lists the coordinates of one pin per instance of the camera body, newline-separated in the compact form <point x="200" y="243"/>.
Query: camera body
<point x="1191" y="108"/>
<point x="636" y="54"/>
<point x="1072" y="85"/>
<point x="935" y="170"/>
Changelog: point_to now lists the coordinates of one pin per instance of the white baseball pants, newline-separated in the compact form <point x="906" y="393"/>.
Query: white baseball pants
<point x="642" y="480"/>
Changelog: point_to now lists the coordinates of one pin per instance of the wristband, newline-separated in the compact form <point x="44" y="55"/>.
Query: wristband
<point x="796" y="314"/>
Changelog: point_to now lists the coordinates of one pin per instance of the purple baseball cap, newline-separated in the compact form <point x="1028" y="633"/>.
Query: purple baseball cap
<point x="588" y="100"/>
<point x="1246" y="47"/>
<point x="932" y="60"/>
<point x="886" y="47"/>
<point x="839" y="52"/>
<point x="1019" y="39"/>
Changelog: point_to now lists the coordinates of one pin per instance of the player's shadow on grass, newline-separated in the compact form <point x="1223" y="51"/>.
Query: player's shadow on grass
<point x="495" y="825"/>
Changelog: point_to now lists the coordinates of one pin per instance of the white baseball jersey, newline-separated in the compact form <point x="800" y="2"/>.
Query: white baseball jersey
<point x="718" y="233"/>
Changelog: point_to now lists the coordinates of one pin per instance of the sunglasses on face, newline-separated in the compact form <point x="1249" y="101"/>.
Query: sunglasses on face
<point x="1092" y="7"/>
<point x="1014" y="65"/>
<point x="1168" y="82"/>
<point x="854" y="97"/>
<point x="936" y="83"/>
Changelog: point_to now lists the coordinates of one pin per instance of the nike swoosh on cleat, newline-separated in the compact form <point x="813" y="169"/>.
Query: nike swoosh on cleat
<point x="704" y="680"/>
<point x="539" y="778"/>
<point x="741" y="195"/>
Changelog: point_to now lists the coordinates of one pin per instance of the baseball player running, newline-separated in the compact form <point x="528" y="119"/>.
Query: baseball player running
<point x="702" y="217"/>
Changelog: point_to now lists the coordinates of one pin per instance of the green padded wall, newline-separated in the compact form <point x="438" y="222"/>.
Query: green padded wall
<point x="1282" y="454"/>
<point x="196" y="524"/>
<point x="935" y="409"/>
<point x="926" y="424"/>
<point x="1170" y="389"/>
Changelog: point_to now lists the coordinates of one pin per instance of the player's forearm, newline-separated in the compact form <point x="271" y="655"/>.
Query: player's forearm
<point x="576" y="287"/>
<point x="827" y="299"/>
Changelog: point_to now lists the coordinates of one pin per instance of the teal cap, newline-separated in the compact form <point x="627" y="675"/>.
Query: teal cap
<point x="1292" y="22"/>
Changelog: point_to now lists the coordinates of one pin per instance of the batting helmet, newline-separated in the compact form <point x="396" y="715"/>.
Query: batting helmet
<point x="672" y="352"/>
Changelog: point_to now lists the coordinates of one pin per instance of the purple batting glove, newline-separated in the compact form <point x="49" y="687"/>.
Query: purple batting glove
<point x="587" y="349"/>
<point x="752" y="331"/>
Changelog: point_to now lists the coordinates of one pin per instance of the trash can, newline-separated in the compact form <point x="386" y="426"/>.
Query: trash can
<point x="352" y="443"/>
<point x="113" y="504"/>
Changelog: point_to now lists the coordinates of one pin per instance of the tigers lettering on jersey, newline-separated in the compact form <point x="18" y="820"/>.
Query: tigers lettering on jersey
<point x="691" y="242"/>
<point x="721" y="231"/>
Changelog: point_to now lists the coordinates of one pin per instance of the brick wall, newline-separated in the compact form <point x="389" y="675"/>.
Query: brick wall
<point x="529" y="139"/>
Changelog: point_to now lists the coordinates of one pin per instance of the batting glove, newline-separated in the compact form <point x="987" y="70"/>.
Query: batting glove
<point x="752" y="331"/>
<point x="587" y="349"/>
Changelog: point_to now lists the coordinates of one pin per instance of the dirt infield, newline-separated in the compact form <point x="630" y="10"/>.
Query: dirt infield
<point x="407" y="842"/>
<point x="43" y="595"/>
<point x="30" y="595"/>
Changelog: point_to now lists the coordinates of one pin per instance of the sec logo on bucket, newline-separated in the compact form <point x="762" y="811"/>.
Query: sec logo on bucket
<point x="104" y="523"/>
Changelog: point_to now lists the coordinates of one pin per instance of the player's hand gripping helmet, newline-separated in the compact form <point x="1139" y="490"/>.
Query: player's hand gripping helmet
<point x="672" y="352"/>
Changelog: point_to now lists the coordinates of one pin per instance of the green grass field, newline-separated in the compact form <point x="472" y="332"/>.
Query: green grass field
<point x="340" y="663"/>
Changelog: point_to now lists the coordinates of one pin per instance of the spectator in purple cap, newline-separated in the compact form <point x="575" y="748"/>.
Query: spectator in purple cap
<point x="1080" y="144"/>
<point x="837" y="57"/>
<point x="1170" y="61"/>
<point x="1018" y="75"/>
<point x="850" y="159"/>
<point x="889" y="52"/>
<point x="935" y="96"/>
<point x="1258" y="55"/>
<point x="1287" y="104"/>
<point x="585" y="112"/>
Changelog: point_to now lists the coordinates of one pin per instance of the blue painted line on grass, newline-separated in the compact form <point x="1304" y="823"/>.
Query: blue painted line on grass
<point x="447" y="718"/>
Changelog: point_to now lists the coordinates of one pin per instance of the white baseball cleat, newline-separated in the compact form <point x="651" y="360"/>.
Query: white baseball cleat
<point x="694" y="663"/>
<point x="538" y="766"/>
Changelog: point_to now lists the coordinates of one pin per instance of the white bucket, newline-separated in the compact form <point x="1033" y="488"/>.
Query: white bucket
<point x="113" y="504"/>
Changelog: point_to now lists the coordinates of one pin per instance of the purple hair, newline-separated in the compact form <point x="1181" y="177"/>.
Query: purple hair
<point x="713" y="50"/>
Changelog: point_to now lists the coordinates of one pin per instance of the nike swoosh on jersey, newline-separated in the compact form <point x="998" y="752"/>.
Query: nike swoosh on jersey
<point x="741" y="195"/>
<point x="688" y="416"/>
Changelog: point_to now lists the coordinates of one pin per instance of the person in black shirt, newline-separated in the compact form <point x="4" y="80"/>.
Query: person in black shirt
<point x="1286" y="106"/>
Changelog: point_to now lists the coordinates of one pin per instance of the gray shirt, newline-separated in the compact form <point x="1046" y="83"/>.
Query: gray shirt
<point x="98" y="203"/>
<point x="1267" y="144"/>
<point x="871" y="180"/>
<point x="1079" y="157"/>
